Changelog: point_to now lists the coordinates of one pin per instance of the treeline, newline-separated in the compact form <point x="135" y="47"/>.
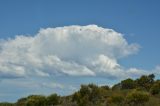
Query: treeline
<point x="143" y="91"/>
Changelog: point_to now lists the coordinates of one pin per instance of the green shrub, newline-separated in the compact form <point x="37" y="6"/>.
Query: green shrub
<point x="36" y="100"/>
<point x="137" y="98"/>
<point x="105" y="87"/>
<point x="155" y="89"/>
<point x="21" y="102"/>
<point x="145" y="82"/>
<point x="117" y="86"/>
<point x="128" y="84"/>
<point x="6" y="104"/>
<point x="118" y="100"/>
<point x="53" y="99"/>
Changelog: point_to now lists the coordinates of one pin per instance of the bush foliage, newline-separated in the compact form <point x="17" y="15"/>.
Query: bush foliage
<point x="143" y="91"/>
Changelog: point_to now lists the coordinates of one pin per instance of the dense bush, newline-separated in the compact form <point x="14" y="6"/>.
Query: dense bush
<point x="36" y="100"/>
<point x="155" y="89"/>
<point x="87" y="94"/>
<point x="21" y="102"/>
<point x="118" y="100"/>
<point x="128" y="84"/>
<point x="6" y="104"/>
<point x="145" y="82"/>
<point x="137" y="98"/>
<point x="117" y="86"/>
<point x="53" y="99"/>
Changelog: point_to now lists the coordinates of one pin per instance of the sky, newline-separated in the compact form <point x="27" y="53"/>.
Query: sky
<point x="54" y="46"/>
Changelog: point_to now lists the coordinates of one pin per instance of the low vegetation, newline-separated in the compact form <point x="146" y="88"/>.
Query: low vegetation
<point x="144" y="91"/>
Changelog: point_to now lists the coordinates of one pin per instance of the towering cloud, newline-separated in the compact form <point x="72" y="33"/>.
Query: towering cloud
<point x="71" y="50"/>
<point x="59" y="60"/>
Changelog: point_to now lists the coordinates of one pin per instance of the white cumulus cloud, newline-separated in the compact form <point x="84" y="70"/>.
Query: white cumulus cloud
<point x="72" y="50"/>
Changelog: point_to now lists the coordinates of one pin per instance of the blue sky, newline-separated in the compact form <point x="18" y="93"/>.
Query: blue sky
<point x="137" y="20"/>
